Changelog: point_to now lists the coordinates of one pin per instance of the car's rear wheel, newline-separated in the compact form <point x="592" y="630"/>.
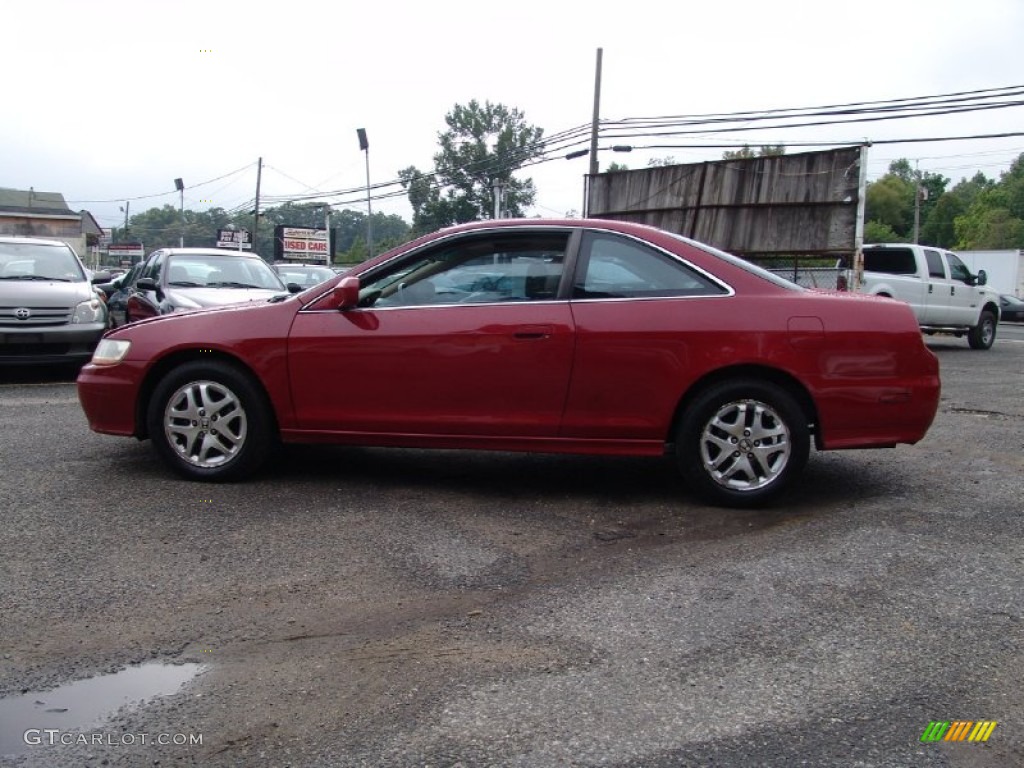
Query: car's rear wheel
<point x="210" y="421"/>
<point x="983" y="335"/>
<point x="742" y="443"/>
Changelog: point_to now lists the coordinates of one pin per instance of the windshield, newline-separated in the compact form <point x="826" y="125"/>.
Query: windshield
<point x="214" y="271"/>
<point x="38" y="261"/>
<point x="304" y="276"/>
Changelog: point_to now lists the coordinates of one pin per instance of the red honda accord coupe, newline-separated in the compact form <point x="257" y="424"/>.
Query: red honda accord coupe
<point x="582" y="336"/>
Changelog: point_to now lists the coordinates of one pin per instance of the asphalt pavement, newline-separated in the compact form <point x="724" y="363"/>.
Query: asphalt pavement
<point x="365" y="607"/>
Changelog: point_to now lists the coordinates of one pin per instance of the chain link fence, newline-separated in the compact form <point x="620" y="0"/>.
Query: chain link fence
<point x="825" y="278"/>
<point x="826" y="274"/>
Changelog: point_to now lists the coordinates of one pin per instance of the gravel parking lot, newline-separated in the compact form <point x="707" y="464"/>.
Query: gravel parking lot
<point x="364" y="607"/>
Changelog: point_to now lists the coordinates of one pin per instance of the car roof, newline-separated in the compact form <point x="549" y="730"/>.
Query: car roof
<point x="209" y="252"/>
<point x="32" y="240"/>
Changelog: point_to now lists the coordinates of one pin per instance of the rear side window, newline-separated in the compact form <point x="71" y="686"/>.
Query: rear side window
<point x="890" y="261"/>
<point x="614" y="267"/>
<point x="935" y="267"/>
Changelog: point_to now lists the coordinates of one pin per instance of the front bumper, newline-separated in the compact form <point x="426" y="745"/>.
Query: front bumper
<point x="49" y="345"/>
<point x="109" y="394"/>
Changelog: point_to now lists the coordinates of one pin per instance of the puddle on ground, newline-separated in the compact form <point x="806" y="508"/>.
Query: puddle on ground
<point x="78" y="705"/>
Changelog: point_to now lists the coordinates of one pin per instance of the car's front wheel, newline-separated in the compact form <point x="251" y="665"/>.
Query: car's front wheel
<point x="210" y="421"/>
<point x="742" y="443"/>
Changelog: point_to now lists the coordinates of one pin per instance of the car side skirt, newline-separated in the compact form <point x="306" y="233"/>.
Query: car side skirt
<point x="479" y="442"/>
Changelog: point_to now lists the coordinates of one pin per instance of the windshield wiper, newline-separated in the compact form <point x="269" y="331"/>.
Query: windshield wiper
<point x="184" y="284"/>
<point x="36" y="277"/>
<point x="230" y="284"/>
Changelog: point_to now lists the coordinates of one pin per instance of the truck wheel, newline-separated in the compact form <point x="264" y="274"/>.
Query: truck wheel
<point x="742" y="443"/>
<point x="983" y="334"/>
<point x="209" y="421"/>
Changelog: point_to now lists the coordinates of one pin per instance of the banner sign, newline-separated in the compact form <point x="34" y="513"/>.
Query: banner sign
<point x="302" y="244"/>
<point x="234" y="238"/>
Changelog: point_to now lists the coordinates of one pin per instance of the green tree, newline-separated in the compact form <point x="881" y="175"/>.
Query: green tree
<point x="989" y="223"/>
<point x="483" y="146"/>
<point x="890" y="202"/>
<point x="939" y="227"/>
<point x="165" y="227"/>
<point x="877" y="232"/>
<point x="1012" y="182"/>
<point x="746" y="153"/>
<point x="432" y="210"/>
<point x="993" y="215"/>
<point x="901" y="170"/>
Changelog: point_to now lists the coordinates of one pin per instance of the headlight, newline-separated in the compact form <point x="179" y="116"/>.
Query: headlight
<point x="91" y="311"/>
<point x="110" y="351"/>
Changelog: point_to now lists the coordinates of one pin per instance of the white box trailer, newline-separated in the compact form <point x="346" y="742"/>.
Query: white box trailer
<point x="1004" y="269"/>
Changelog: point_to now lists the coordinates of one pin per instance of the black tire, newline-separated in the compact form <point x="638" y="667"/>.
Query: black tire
<point x="983" y="335"/>
<point x="731" y="414"/>
<point x="209" y="420"/>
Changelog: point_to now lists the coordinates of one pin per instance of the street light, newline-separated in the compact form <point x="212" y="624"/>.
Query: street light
<point x="364" y="144"/>
<point x="180" y="186"/>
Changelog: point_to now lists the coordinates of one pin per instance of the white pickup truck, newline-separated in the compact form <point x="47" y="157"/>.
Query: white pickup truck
<point x="945" y="296"/>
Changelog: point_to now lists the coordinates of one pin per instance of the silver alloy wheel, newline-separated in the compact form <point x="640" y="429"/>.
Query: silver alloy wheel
<point x="745" y="445"/>
<point x="205" y="423"/>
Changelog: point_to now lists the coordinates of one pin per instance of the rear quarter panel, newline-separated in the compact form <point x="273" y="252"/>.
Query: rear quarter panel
<point x="861" y="360"/>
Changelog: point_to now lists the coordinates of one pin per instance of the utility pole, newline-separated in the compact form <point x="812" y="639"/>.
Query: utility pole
<point x="497" y="186"/>
<point x="180" y="186"/>
<point x="256" y="210"/>
<point x="364" y="144"/>
<point x="916" y="201"/>
<point x="124" y="232"/>
<point x="593" y="130"/>
<point x="327" y="229"/>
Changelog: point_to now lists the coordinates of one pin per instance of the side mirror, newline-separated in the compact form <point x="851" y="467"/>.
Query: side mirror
<point x="145" y="284"/>
<point x="294" y="288"/>
<point x="346" y="293"/>
<point x="982" y="278"/>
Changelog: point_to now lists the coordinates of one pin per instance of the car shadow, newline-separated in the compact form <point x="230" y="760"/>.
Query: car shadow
<point x="623" y="496"/>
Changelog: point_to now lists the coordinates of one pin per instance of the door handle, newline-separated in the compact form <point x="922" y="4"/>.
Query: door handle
<point x="533" y="332"/>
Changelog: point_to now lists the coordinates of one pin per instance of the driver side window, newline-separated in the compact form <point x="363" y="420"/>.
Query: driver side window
<point x="958" y="270"/>
<point x="473" y="269"/>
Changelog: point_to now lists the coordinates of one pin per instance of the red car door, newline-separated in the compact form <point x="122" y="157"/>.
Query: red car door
<point x="465" y="337"/>
<point x="490" y="370"/>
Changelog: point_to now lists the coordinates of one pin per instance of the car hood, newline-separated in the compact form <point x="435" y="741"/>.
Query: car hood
<point x="37" y="293"/>
<point x="195" y="298"/>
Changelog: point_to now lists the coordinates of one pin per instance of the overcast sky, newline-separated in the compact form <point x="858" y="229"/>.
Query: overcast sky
<point x="110" y="100"/>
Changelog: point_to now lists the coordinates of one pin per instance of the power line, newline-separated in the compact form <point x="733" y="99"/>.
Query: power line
<point x="163" y="194"/>
<point x="554" y="146"/>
